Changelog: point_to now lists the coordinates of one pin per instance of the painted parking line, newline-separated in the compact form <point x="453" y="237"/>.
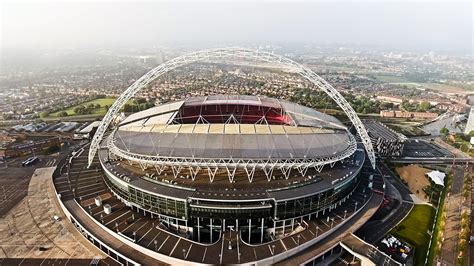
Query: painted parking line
<point x="153" y="240"/>
<point x="91" y="194"/>
<point x="86" y="191"/>
<point x="175" y="245"/>
<point x="134" y="222"/>
<point x="139" y="228"/>
<point x="145" y="234"/>
<point x="204" y="255"/>
<point x="86" y="186"/>
<point x="117" y="217"/>
<point x="163" y="242"/>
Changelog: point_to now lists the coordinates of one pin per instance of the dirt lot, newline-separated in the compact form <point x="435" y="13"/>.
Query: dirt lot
<point x="416" y="178"/>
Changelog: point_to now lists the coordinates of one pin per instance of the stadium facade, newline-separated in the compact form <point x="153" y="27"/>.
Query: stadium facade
<point x="252" y="164"/>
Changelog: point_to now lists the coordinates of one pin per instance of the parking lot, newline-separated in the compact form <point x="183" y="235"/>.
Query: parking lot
<point x="426" y="149"/>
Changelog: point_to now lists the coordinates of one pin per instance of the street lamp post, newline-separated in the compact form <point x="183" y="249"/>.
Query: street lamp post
<point x="345" y="213"/>
<point x="156" y="244"/>
<point x="355" y="208"/>
<point x="298" y="237"/>
<point x="116" y="226"/>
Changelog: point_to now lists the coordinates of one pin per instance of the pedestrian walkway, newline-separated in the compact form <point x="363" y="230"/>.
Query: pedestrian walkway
<point x="453" y="219"/>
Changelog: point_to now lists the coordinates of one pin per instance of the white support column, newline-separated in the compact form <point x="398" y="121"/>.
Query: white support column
<point x="250" y="174"/>
<point x="231" y="173"/>
<point x="250" y="229"/>
<point x="176" y="170"/>
<point x="268" y="172"/>
<point x="199" y="230"/>
<point x="160" y="168"/>
<point x="194" y="172"/>
<point x="303" y="170"/>
<point x="212" y="173"/>
<point x="319" y="168"/>
<point x="286" y="171"/>
<point x="211" y="231"/>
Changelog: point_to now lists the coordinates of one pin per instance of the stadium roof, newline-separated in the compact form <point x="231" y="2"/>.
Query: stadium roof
<point x="292" y="131"/>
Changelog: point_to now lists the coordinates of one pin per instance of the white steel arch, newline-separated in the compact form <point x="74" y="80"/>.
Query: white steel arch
<point x="226" y="53"/>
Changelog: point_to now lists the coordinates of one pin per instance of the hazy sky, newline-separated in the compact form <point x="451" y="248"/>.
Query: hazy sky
<point x="401" y="24"/>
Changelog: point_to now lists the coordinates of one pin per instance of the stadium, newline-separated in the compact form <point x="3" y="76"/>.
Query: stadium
<point x="262" y="177"/>
<point x="231" y="162"/>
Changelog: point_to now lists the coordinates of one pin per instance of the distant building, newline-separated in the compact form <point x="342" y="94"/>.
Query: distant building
<point x="86" y="132"/>
<point x="20" y="148"/>
<point x="390" y="99"/>
<point x="454" y="107"/>
<point x="160" y="57"/>
<point x="470" y="122"/>
<point x="402" y="114"/>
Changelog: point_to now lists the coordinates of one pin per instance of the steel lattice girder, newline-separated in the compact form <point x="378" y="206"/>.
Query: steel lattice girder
<point x="225" y="53"/>
<point x="230" y="164"/>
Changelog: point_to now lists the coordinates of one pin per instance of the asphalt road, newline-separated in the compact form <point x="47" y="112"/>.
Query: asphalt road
<point x="375" y="230"/>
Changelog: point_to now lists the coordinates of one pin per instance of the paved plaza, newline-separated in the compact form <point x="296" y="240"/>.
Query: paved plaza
<point x="29" y="230"/>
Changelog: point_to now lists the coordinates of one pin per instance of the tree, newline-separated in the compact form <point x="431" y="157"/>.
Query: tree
<point x="127" y="108"/>
<point x="140" y="100"/>
<point x="62" y="114"/>
<point x="44" y="114"/>
<point x="52" y="149"/>
<point x="80" y="110"/>
<point x="444" y="131"/>
<point x="424" y="106"/>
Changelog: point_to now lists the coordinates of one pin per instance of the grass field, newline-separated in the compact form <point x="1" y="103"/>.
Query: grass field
<point x="391" y="79"/>
<point x="414" y="230"/>
<point x="98" y="111"/>
<point x="409" y="85"/>
<point x="446" y="88"/>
